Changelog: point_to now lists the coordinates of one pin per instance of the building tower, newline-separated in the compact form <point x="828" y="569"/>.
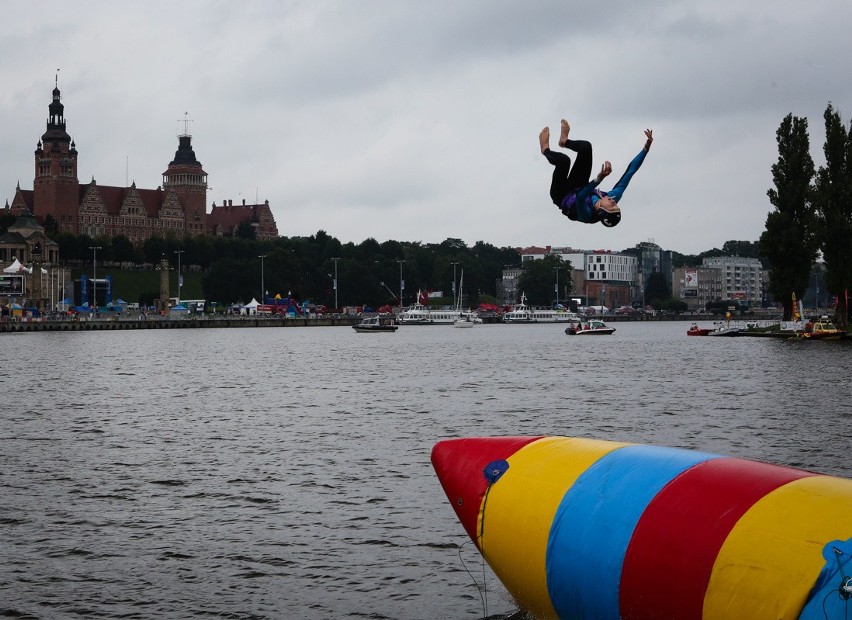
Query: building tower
<point x="56" y="190"/>
<point x="186" y="179"/>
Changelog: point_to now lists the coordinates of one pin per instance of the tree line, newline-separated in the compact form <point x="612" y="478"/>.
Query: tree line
<point x="812" y="213"/>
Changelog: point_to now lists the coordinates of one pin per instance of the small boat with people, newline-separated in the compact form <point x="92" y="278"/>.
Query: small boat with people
<point x="592" y="327"/>
<point x="823" y="329"/>
<point x="376" y="324"/>
<point x="694" y="330"/>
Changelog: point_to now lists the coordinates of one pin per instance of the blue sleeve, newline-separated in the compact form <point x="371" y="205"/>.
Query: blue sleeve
<point x="618" y="191"/>
<point x="585" y="212"/>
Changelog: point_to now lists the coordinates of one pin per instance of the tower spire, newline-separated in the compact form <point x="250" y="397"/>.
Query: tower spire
<point x="186" y="122"/>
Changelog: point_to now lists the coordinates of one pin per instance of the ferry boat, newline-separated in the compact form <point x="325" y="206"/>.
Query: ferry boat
<point x="522" y="313"/>
<point x="419" y="314"/>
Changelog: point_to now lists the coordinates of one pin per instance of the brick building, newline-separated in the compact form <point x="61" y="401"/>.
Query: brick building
<point x="176" y="208"/>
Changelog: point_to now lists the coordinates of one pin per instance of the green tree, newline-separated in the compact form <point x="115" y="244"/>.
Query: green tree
<point x="789" y="242"/>
<point x="656" y="289"/>
<point x="538" y="279"/>
<point x="227" y="281"/>
<point x="834" y="210"/>
<point x="745" y="249"/>
<point x="245" y="231"/>
<point x="123" y="250"/>
<point x="51" y="226"/>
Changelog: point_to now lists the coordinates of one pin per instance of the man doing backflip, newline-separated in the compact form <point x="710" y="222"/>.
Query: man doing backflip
<point x="571" y="190"/>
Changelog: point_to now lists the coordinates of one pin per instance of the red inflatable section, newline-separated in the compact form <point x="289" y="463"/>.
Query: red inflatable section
<point x="459" y="464"/>
<point x="671" y="554"/>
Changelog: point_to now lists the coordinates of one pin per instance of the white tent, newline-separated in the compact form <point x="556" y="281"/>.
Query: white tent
<point x="250" y="307"/>
<point x="15" y="267"/>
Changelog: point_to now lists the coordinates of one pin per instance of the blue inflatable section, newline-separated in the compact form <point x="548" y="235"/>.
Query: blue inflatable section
<point x="595" y="521"/>
<point x="831" y="596"/>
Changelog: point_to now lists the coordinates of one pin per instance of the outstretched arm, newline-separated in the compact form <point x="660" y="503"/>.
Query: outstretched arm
<point x="618" y="191"/>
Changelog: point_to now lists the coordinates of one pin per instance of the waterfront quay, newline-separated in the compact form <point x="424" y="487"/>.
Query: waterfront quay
<point x="169" y="323"/>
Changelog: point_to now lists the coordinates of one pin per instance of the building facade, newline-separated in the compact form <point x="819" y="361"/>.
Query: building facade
<point x="599" y="278"/>
<point x="610" y="279"/>
<point x="721" y="278"/>
<point x="176" y="208"/>
<point x="740" y="278"/>
<point x="697" y="286"/>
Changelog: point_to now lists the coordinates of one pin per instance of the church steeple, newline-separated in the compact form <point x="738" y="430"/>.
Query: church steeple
<point x="56" y="136"/>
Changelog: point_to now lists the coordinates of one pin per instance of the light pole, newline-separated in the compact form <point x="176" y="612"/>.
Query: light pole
<point x="401" y="283"/>
<point x="94" y="249"/>
<point x="262" y="285"/>
<point x="454" y="282"/>
<point x="335" y="283"/>
<point x="557" y="285"/>
<point x="180" y="276"/>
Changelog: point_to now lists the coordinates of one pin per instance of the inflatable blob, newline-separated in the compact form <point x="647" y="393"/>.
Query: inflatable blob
<point x="584" y="528"/>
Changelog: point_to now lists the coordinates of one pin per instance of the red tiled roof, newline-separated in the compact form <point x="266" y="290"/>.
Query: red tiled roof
<point x="229" y="217"/>
<point x="113" y="197"/>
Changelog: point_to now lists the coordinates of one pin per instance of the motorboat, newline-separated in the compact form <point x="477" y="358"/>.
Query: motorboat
<point x="592" y="327"/>
<point x="725" y="329"/>
<point x="823" y="329"/>
<point x="694" y="330"/>
<point x="378" y="323"/>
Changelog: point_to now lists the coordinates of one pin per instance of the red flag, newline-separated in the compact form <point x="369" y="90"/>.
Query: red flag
<point x="424" y="298"/>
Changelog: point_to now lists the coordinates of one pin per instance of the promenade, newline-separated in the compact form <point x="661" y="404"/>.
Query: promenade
<point x="166" y="323"/>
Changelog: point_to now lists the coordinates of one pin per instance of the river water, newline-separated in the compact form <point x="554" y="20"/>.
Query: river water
<point x="284" y="472"/>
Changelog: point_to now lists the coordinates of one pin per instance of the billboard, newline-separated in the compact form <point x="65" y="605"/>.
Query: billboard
<point x="11" y="285"/>
<point x="691" y="278"/>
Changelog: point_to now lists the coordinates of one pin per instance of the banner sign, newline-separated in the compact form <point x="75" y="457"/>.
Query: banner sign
<point x="11" y="285"/>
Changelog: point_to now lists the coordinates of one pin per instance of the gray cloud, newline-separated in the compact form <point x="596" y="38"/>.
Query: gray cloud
<point x="419" y="121"/>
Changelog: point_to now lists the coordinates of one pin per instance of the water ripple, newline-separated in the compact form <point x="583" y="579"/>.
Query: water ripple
<point x="285" y="473"/>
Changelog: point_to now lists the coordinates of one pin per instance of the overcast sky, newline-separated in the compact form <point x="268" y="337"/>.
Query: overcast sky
<point x="419" y="121"/>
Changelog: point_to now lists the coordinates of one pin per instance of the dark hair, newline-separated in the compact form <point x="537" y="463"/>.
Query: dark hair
<point x="610" y="219"/>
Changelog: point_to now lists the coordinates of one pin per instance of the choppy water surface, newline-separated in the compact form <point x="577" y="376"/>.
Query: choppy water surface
<point x="284" y="473"/>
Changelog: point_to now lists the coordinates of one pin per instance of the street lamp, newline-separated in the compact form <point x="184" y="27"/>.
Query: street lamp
<point x="180" y="276"/>
<point x="262" y="285"/>
<point x="401" y="282"/>
<point x="94" y="249"/>
<point x="335" y="283"/>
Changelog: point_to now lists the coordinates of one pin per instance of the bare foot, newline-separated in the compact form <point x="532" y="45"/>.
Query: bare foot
<point x="563" y="133"/>
<point x="544" y="139"/>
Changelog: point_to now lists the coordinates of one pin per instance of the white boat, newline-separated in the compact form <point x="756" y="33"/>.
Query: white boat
<point x="466" y="319"/>
<point x="592" y="327"/>
<point x="419" y="314"/>
<point x="375" y="324"/>
<point x="522" y="313"/>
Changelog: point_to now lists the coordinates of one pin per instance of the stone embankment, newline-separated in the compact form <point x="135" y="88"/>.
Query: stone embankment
<point x="161" y="323"/>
